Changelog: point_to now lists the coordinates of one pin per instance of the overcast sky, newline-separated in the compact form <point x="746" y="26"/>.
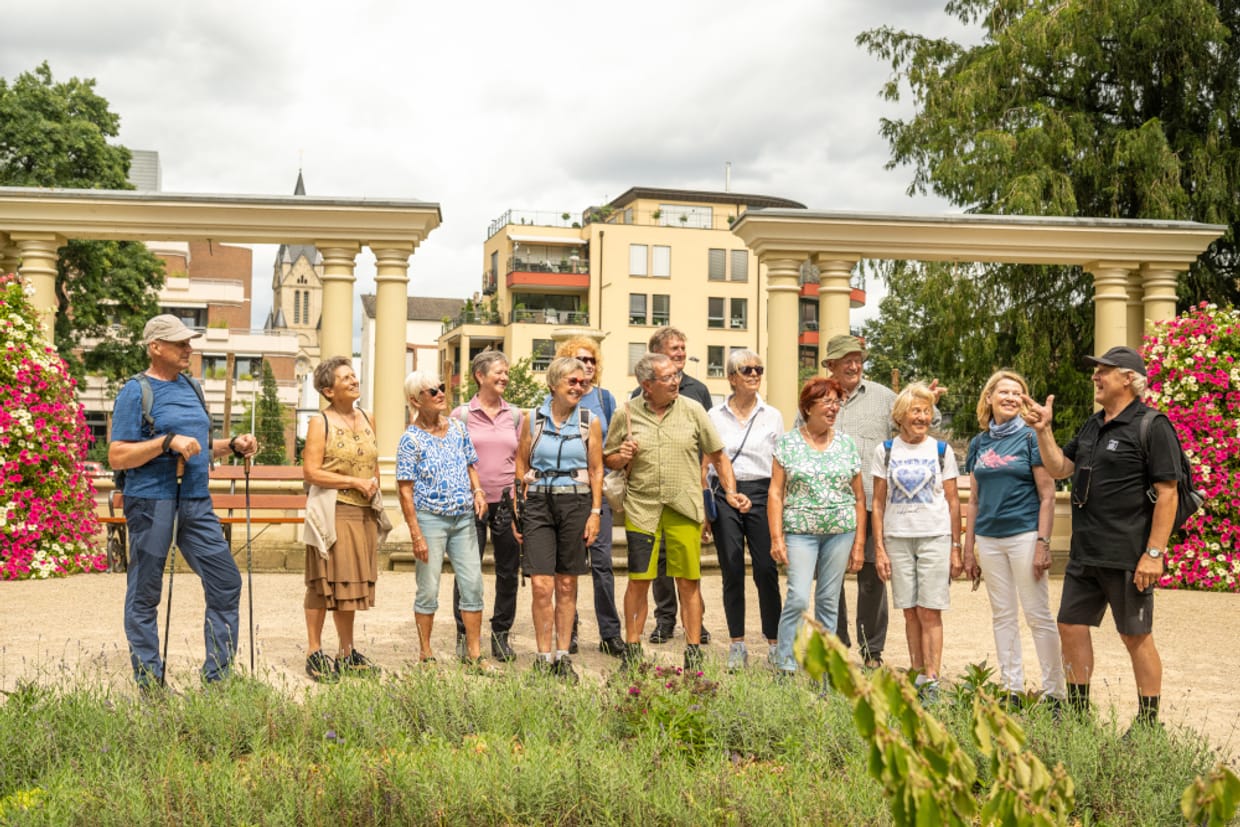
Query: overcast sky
<point x="487" y="106"/>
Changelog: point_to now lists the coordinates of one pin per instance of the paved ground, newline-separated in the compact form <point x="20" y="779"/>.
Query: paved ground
<point x="71" y="630"/>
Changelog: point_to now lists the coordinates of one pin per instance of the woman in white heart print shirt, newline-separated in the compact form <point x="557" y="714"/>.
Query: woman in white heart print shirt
<point x="916" y="522"/>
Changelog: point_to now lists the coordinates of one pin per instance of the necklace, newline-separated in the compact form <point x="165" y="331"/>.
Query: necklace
<point x="813" y="441"/>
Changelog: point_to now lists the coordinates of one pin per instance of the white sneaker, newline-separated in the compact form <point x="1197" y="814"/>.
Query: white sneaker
<point x="738" y="656"/>
<point x="772" y="656"/>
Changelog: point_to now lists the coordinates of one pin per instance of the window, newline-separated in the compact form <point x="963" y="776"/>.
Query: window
<point x="195" y="317"/>
<point x="686" y="215"/>
<point x="661" y="261"/>
<point x="213" y="367"/>
<point x="740" y="314"/>
<point x="296" y="307"/>
<point x="714" y="361"/>
<point x="809" y="315"/>
<point x="637" y="260"/>
<point x="543" y="351"/>
<point x="636" y="351"/>
<point x="249" y="368"/>
<point x="714" y="312"/>
<point x="715" y="264"/>
<point x="740" y="265"/>
<point x="660" y="309"/>
<point x="637" y="308"/>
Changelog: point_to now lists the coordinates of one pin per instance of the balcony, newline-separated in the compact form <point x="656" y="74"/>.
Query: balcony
<point x="472" y="317"/>
<point x="567" y="275"/>
<point x="532" y="218"/>
<point x="549" y="315"/>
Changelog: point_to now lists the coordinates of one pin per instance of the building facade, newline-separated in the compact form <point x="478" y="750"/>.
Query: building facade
<point x="425" y="320"/>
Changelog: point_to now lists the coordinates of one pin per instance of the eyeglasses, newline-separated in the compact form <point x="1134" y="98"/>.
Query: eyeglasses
<point x="829" y="402"/>
<point x="751" y="370"/>
<point x="587" y="360"/>
<point x="574" y="382"/>
<point x="436" y="391"/>
<point x="674" y="379"/>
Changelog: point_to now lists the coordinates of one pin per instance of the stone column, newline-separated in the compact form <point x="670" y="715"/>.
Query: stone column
<point x="38" y="269"/>
<point x="783" y="291"/>
<point x="336" y="325"/>
<point x="834" y="297"/>
<point x="1159" y="283"/>
<point x="1110" y="303"/>
<point x="391" y="317"/>
<point x="1136" y="310"/>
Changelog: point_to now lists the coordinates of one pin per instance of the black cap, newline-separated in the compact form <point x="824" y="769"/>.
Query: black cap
<point x="1119" y="357"/>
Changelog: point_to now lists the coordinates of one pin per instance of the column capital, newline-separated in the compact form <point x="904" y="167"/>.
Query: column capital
<point x="1110" y="269"/>
<point x="339" y="259"/>
<point x="783" y="273"/>
<point x="391" y="260"/>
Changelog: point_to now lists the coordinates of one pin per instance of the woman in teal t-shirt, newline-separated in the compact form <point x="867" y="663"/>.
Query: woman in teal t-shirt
<point x="1007" y="533"/>
<point x="814" y="507"/>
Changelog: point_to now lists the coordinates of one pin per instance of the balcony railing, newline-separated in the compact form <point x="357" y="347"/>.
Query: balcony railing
<point x="472" y="317"/>
<point x="549" y="315"/>
<point x="533" y="218"/>
<point x="542" y="265"/>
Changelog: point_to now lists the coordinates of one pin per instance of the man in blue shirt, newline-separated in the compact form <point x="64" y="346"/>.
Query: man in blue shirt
<point x="157" y="500"/>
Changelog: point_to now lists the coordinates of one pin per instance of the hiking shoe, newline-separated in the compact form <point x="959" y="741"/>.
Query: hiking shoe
<point x="738" y="656"/>
<point x="543" y="667"/>
<point x="927" y="691"/>
<point x="563" y="669"/>
<point x="573" y="646"/>
<point x="480" y="666"/>
<point x="613" y="646"/>
<point x="632" y="656"/>
<point x="322" y="668"/>
<point x="357" y="664"/>
<point x="874" y="661"/>
<point x="501" y="650"/>
<point x="662" y="634"/>
<point x="462" y="652"/>
<point x="772" y="655"/>
<point x="705" y="635"/>
<point x="693" y="658"/>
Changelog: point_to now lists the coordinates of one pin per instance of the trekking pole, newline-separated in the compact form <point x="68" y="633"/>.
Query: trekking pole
<point x="249" y="561"/>
<point x="172" y="556"/>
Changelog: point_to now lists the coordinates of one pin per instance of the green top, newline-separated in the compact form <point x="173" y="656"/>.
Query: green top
<point x="818" y="494"/>
<point x="667" y="469"/>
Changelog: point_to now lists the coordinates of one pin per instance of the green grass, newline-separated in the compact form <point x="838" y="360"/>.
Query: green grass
<point x="443" y="747"/>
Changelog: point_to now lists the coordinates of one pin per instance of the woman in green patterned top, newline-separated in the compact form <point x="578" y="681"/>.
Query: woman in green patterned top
<point x="816" y="512"/>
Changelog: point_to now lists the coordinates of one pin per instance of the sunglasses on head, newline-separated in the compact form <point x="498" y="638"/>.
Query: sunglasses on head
<point x="752" y="370"/>
<point x="436" y="391"/>
<point x="587" y="360"/>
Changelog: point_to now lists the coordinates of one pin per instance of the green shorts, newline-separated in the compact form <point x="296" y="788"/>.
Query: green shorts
<point x="677" y="537"/>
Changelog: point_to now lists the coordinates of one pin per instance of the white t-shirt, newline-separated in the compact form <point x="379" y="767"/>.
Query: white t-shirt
<point x="916" y="506"/>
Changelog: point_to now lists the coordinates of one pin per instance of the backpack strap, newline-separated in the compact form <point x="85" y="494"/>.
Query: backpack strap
<point x="148" y="400"/>
<point x="887" y="451"/>
<point x="942" y="446"/>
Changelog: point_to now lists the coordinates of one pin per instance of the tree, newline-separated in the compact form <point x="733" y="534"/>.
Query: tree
<point x="523" y="389"/>
<point x="55" y="135"/>
<point x="270" y="418"/>
<point x="1101" y="109"/>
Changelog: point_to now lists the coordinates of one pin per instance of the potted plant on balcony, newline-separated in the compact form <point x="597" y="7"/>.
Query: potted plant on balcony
<point x="657" y="214"/>
<point x="684" y="218"/>
<point x="564" y="216"/>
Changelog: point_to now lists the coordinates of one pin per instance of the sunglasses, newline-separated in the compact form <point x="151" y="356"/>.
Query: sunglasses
<point x="436" y="391"/>
<point x="751" y="370"/>
<point x="574" y="382"/>
<point x="587" y="360"/>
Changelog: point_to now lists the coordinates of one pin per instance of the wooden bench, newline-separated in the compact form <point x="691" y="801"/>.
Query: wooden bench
<point x="266" y="509"/>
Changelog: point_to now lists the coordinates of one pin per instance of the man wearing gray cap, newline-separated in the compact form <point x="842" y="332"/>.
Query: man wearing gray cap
<point x="1119" y="536"/>
<point x="167" y="465"/>
<point x="866" y="417"/>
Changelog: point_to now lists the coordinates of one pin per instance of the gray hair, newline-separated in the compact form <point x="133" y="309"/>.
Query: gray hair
<point x="645" y="367"/>
<point x="562" y="367"/>
<point x="419" y="381"/>
<point x="740" y="357"/>
<point x="481" y="364"/>
<point x="1138" y="382"/>
<point x="325" y="373"/>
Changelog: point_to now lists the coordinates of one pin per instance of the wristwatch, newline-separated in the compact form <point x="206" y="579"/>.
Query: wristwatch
<point x="1154" y="552"/>
<point x="1046" y="540"/>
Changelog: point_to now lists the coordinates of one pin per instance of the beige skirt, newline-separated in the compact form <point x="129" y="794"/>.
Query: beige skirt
<point x="345" y="581"/>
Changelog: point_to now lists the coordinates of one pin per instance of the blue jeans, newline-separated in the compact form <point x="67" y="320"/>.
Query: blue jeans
<point x="812" y="556"/>
<point x="201" y="541"/>
<point x="457" y="538"/>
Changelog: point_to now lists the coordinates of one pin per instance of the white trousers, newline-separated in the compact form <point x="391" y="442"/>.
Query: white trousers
<point x="1007" y="563"/>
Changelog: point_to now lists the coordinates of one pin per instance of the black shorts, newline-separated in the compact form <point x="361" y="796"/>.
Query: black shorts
<point x="555" y="528"/>
<point x="1088" y="590"/>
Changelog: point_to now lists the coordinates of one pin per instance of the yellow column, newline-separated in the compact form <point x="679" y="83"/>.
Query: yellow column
<point x="834" y="297"/>
<point x="9" y="255"/>
<point x="782" y="292"/>
<point x="38" y="270"/>
<point x="1110" y="303"/>
<point x="1159" y="282"/>
<point x="462" y="370"/>
<point x="336" y="325"/>
<point x="391" y="318"/>
<point x="1136" y="310"/>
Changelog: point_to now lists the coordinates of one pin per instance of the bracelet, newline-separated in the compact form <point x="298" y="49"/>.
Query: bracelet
<point x="955" y="544"/>
<point x="597" y="511"/>
<point x="1046" y="540"/>
<point x="168" y="442"/>
<point x="232" y="446"/>
<point x="478" y="491"/>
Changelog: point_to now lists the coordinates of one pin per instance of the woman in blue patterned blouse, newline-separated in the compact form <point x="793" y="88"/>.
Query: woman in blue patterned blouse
<point x="440" y="495"/>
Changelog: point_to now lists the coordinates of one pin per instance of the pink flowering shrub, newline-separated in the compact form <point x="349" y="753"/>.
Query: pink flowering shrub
<point x="47" y="504"/>
<point x="1194" y="376"/>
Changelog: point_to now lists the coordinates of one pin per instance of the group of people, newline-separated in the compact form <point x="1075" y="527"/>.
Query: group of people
<point x="858" y="484"/>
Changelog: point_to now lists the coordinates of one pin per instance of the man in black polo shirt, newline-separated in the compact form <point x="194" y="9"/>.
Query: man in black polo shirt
<point x="670" y="341"/>
<point x="1118" y="536"/>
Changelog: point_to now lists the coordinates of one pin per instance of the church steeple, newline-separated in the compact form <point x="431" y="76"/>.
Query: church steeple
<point x="300" y="189"/>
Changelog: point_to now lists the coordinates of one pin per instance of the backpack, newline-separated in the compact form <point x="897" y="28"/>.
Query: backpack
<point x="1190" y="499"/>
<point x="538" y="420"/>
<point x="461" y="413"/>
<point x="942" y="446"/>
<point x="148" y="421"/>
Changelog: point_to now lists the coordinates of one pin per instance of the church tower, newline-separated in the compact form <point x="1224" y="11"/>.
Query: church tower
<point x="297" y="297"/>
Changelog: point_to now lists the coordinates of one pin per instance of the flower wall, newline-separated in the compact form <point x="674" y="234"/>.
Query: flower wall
<point x="47" y="504"/>
<point x="1193" y="364"/>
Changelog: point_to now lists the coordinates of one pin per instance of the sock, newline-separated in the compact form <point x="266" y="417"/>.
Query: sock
<point x="545" y="657"/>
<point x="1147" y="709"/>
<point x="1078" y="696"/>
<point x="561" y="653"/>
